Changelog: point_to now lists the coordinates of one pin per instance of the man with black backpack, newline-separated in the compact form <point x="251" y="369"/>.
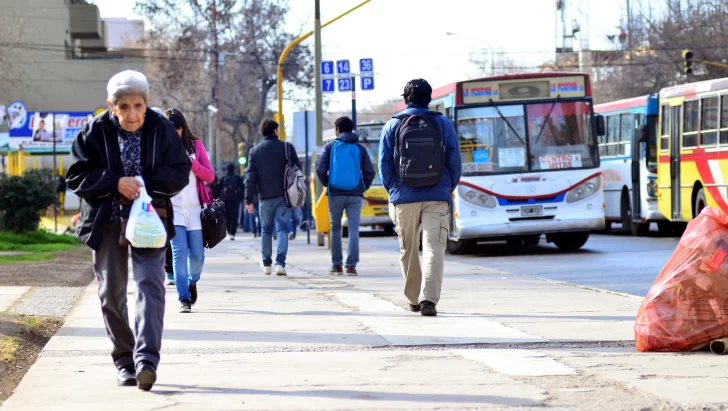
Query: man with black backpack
<point x="274" y="174"/>
<point x="419" y="161"/>
<point x="346" y="169"/>
<point x="231" y="190"/>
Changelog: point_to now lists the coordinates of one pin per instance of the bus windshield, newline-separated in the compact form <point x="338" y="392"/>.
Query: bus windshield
<point x="372" y="147"/>
<point x="494" y="141"/>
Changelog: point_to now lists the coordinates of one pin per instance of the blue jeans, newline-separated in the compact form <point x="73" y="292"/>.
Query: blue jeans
<point x="274" y="214"/>
<point x="188" y="257"/>
<point x="352" y="206"/>
<point x="296" y="218"/>
<point x="254" y="220"/>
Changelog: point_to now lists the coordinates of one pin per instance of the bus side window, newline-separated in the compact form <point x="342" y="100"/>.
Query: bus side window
<point x="626" y="133"/>
<point x="612" y="136"/>
<point x="723" y="119"/>
<point x="665" y="128"/>
<point x="690" y="130"/>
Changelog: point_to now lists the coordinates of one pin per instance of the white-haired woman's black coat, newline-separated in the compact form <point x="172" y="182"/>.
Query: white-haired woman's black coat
<point x="96" y="170"/>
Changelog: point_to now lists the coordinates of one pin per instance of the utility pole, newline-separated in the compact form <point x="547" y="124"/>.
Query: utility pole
<point x="319" y="98"/>
<point x="216" y="89"/>
<point x="629" y="27"/>
<point x="55" y="170"/>
<point x="353" y="101"/>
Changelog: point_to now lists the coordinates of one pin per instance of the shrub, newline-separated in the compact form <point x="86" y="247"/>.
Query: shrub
<point x="23" y="198"/>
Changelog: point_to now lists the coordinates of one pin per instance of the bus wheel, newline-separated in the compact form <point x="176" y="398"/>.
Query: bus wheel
<point x="626" y="212"/>
<point x="570" y="241"/>
<point x="665" y="228"/>
<point x="700" y="203"/>
<point x="460" y="247"/>
<point x="607" y="227"/>
<point x="640" y="229"/>
<point x="532" y="240"/>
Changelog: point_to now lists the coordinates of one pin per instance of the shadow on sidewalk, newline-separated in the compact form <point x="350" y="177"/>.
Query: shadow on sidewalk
<point x="503" y="250"/>
<point x="351" y="394"/>
<point x="284" y="337"/>
<point x="405" y="314"/>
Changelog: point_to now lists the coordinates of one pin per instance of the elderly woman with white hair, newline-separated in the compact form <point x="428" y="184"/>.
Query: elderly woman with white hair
<point x="128" y="140"/>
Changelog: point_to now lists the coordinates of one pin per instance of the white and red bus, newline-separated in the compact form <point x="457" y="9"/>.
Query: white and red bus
<point x="530" y="158"/>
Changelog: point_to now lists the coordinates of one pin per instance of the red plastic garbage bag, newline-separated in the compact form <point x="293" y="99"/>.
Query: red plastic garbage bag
<point x="687" y="305"/>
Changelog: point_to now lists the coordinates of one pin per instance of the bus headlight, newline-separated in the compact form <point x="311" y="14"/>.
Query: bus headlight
<point x="584" y="190"/>
<point x="652" y="188"/>
<point x="476" y="197"/>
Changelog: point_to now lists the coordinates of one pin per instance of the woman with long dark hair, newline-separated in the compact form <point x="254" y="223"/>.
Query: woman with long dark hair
<point x="188" y="252"/>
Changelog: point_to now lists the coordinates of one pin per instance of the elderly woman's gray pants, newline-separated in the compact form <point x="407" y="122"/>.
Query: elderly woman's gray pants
<point x="111" y="265"/>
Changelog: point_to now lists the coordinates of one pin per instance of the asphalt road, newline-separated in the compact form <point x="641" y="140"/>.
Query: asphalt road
<point x="615" y="262"/>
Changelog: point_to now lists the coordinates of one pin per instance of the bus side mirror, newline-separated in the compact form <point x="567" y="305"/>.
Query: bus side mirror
<point x="601" y="129"/>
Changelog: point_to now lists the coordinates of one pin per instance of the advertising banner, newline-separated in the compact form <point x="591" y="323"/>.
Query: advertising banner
<point x="37" y="129"/>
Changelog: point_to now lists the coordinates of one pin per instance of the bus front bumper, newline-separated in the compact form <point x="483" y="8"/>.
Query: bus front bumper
<point x="526" y="227"/>
<point x="651" y="211"/>
<point x="370" y="221"/>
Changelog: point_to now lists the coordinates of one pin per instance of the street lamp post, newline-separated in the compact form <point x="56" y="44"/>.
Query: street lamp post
<point x="212" y="111"/>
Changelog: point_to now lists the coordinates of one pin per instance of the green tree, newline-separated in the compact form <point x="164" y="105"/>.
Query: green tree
<point x="23" y="198"/>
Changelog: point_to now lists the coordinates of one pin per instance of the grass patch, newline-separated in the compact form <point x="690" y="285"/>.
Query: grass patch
<point x="8" y="348"/>
<point x="32" y="325"/>
<point x="25" y="258"/>
<point x="36" y="237"/>
<point x="41" y="243"/>
<point x="36" y="248"/>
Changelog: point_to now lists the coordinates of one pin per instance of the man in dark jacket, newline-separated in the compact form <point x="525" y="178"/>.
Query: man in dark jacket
<point x="127" y="141"/>
<point x="231" y="190"/>
<point x="264" y="177"/>
<point x="345" y="199"/>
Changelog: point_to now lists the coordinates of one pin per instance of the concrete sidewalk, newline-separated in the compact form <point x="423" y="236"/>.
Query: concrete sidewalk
<point x="310" y="341"/>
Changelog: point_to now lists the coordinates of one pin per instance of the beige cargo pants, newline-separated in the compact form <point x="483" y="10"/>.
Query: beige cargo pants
<point x="433" y="218"/>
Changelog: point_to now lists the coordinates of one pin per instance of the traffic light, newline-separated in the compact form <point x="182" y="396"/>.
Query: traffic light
<point x="242" y="160"/>
<point x="688" y="59"/>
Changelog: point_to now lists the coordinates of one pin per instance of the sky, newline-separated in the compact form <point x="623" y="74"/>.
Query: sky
<point x="408" y="38"/>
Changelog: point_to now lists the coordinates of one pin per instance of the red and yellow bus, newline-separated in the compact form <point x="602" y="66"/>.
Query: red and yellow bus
<point x="693" y="154"/>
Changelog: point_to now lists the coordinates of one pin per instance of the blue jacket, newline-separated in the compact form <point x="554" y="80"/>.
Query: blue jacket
<point x="399" y="193"/>
<point x="367" y="170"/>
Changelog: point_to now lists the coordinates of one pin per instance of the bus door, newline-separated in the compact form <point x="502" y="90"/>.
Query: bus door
<point x="675" y="128"/>
<point x="639" y="137"/>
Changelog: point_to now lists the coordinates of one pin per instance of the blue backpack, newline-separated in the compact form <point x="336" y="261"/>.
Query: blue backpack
<point x="345" y="168"/>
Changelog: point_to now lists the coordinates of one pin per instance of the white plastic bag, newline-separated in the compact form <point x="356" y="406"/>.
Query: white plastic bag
<point x="145" y="229"/>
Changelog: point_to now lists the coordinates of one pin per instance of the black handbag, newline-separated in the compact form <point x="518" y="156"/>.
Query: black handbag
<point x="214" y="224"/>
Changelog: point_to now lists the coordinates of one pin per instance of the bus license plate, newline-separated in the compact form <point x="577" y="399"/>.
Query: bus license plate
<point x="530" y="211"/>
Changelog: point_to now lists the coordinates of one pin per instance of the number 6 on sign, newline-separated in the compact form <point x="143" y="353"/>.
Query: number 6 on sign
<point x="344" y="84"/>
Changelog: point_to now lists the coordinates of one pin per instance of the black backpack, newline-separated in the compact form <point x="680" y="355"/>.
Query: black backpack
<point x="230" y="189"/>
<point x="419" y="153"/>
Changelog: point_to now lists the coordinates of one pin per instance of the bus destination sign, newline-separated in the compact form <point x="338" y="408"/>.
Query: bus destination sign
<point x="476" y="92"/>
